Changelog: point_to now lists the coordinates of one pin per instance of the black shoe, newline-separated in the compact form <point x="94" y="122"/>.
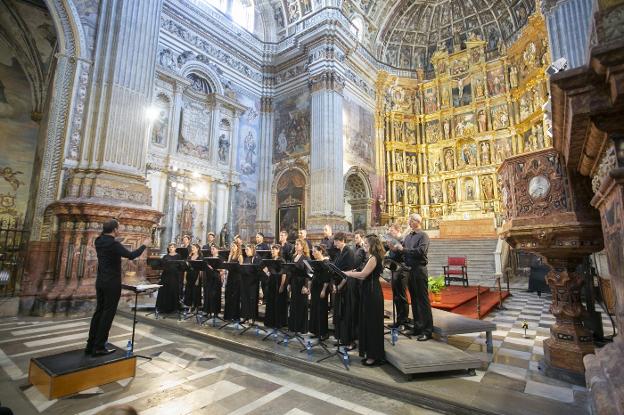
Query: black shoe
<point x="103" y="352"/>
<point x="423" y="337"/>
<point x="88" y="351"/>
<point x="415" y="333"/>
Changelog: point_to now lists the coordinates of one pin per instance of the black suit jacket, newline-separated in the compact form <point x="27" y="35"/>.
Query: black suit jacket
<point x="345" y="260"/>
<point x="109" y="253"/>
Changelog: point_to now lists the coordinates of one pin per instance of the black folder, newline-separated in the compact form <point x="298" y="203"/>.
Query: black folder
<point x="215" y="262"/>
<point x="338" y="274"/>
<point x="183" y="252"/>
<point x="274" y="265"/>
<point x="264" y="254"/>
<point x="224" y="254"/>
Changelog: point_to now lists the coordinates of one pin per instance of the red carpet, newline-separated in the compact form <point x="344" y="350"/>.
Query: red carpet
<point x="461" y="300"/>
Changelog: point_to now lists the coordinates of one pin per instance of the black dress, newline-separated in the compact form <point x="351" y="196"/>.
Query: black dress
<point x="276" y="312"/>
<point x="371" y="336"/>
<point x="168" y="299"/>
<point x="249" y="291"/>
<point x="298" y="318"/>
<point x="346" y="301"/>
<point x="319" y="309"/>
<point x="193" y="287"/>
<point x="212" y="291"/>
<point x="232" y="309"/>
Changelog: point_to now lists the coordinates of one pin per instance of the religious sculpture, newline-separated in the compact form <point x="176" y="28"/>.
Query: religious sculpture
<point x="488" y="188"/>
<point x="408" y="164"/>
<point x="435" y="192"/>
<point x="449" y="159"/>
<point x="485" y="153"/>
<point x="479" y="87"/>
<point x="447" y="129"/>
<point x="224" y="146"/>
<point x="469" y="190"/>
<point x="482" y="120"/>
<point x="513" y="76"/>
<point x="400" y="192"/>
<point x="446" y="97"/>
<point x="412" y="195"/>
<point x="399" y="163"/>
<point x="469" y="154"/>
<point x="451" y="194"/>
<point x="414" y="166"/>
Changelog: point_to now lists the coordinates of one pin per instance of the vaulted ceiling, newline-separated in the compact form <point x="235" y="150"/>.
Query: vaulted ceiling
<point x="405" y="33"/>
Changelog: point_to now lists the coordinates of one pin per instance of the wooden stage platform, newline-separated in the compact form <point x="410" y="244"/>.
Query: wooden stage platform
<point x="462" y="300"/>
<point x="70" y="372"/>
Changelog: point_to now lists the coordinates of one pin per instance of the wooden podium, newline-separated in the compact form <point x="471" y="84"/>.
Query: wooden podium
<point x="70" y="372"/>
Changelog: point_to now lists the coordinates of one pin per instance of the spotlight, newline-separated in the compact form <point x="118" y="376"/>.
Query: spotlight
<point x="152" y="112"/>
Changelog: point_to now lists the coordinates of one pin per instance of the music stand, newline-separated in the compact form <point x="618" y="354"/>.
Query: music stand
<point x="136" y="289"/>
<point x="250" y="276"/>
<point x="183" y="252"/>
<point x="290" y="268"/>
<point x="216" y="263"/>
<point x="337" y="276"/>
<point x="264" y="253"/>
<point x="231" y="267"/>
<point x="318" y="270"/>
<point x="224" y="254"/>
<point x="275" y="268"/>
<point x="395" y="268"/>
<point x="158" y="263"/>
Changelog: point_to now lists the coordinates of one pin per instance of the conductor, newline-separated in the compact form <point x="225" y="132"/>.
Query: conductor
<point x="108" y="285"/>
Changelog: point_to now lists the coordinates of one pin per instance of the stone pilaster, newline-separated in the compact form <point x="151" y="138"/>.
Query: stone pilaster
<point x="265" y="162"/>
<point x="326" y="154"/>
<point x="109" y="180"/>
<point x="569" y="25"/>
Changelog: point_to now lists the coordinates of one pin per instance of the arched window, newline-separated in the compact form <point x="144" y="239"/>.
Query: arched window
<point x="241" y="11"/>
<point x="358" y="27"/>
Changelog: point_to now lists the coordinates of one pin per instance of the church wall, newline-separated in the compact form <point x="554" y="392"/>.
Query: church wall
<point x="18" y="139"/>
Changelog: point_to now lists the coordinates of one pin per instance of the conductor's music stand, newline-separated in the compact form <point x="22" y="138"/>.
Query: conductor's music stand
<point x="136" y="289"/>
<point x="394" y="268"/>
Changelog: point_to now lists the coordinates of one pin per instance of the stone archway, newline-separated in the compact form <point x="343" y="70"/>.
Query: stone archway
<point x="291" y="189"/>
<point x="358" y="200"/>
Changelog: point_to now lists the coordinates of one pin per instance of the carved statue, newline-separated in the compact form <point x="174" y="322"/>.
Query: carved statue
<point x="414" y="165"/>
<point x="488" y="188"/>
<point x="399" y="163"/>
<point x="482" y="120"/>
<point x="479" y="88"/>
<point x="451" y="194"/>
<point x="513" y="76"/>
<point x="224" y="146"/>
<point x="447" y="129"/>
<point x="469" y="190"/>
<point x="485" y="153"/>
<point x="408" y="164"/>
<point x="446" y="97"/>
<point x="449" y="159"/>
<point x="400" y="192"/>
<point x="436" y="193"/>
<point x="412" y="195"/>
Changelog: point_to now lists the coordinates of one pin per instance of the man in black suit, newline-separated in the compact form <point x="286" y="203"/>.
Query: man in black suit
<point x="210" y="240"/>
<point x="260" y="244"/>
<point x="346" y="310"/>
<point x="360" y="251"/>
<point x="328" y="242"/>
<point x="415" y="248"/>
<point x="287" y="247"/>
<point x="108" y="285"/>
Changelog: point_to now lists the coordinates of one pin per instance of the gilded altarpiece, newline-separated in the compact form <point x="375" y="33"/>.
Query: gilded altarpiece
<point x="445" y="137"/>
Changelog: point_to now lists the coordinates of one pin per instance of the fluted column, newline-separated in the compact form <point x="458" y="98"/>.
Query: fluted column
<point x="568" y="23"/>
<point x="265" y="161"/>
<point x="326" y="155"/>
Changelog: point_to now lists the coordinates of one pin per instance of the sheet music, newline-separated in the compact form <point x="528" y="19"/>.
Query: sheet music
<point x="144" y="287"/>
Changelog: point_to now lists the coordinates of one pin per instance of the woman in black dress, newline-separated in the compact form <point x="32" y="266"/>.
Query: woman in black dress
<point x="276" y="299"/>
<point x="319" y="289"/>
<point x="233" y="286"/>
<point x="212" y="286"/>
<point x="193" y="286"/>
<point x="250" y="286"/>
<point x="371" y="329"/>
<point x="168" y="299"/>
<point x="298" y="316"/>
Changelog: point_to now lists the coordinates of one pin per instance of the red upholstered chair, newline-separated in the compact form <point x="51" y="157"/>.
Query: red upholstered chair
<point x="456" y="270"/>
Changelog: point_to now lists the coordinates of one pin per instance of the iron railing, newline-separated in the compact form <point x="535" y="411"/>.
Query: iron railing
<point x="13" y="242"/>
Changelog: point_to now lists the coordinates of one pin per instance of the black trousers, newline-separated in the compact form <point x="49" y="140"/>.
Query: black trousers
<point x="102" y="320"/>
<point x="399" y="294"/>
<point x="419" y="293"/>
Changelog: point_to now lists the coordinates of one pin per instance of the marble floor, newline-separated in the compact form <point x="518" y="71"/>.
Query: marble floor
<point x="199" y="369"/>
<point x="185" y="376"/>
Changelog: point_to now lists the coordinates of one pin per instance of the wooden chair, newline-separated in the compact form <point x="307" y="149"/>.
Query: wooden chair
<point x="456" y="270"/>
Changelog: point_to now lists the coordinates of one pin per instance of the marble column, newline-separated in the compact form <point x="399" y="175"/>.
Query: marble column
<point x="326" y="155"/>
<point x="109" y="180"/>
<point x="569" y="24"/>
<point x="265" y="163"/>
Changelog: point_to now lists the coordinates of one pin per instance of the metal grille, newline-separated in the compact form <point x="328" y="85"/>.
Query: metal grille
<point x="13" y="241"/>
